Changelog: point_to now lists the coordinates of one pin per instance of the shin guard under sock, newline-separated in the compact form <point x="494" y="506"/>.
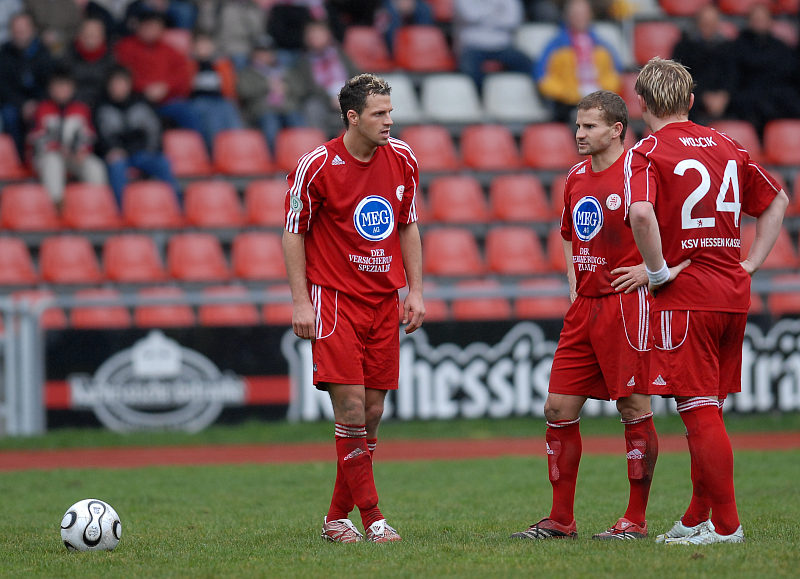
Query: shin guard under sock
<point x="564" y="449"/>
<point x="356" y="464"/>
<point x="641" y="450"/>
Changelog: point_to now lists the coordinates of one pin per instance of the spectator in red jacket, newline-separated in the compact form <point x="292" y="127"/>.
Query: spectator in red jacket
<point x="62" y="138"/>
<point x="160" y="73"/>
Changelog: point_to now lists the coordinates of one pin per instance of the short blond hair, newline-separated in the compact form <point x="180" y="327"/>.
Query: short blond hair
<point x="666" y="87"/>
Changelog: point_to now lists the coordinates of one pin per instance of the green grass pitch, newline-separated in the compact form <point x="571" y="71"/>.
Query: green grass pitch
<point x="455" y="518"/>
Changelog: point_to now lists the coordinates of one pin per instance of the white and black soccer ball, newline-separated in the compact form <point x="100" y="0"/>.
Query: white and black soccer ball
<point x="91" y="525"/>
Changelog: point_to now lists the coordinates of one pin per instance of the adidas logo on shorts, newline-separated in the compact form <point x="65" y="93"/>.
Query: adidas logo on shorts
<point x="632" y="382"/>
<point x="659" y="381"/>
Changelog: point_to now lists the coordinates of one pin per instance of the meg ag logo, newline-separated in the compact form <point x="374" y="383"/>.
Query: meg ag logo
<point x="587" y="218"/>
<point x="374" y="218"/>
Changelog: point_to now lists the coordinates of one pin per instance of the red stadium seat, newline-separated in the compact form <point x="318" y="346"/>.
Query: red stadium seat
<point x="515" y="251"/>
<point x="279" y="313"/>
<point x="457" y="199"/>
<point x="783" y="303"/>
<point x="422" y="49"/>
<point x="443" y="10"/>
<point x="27" y="207"/>
<point x="549" y="146"/>
<point x="264" y="202"/>
<point x="757" y="304"/>
<point x="367" y="49"/>
<point x="480" y="308"/>
<point x="293" y="143"/>
<point x="196" y="257"/>
<point x="489" y="148"/>
<point x="233" y="314"/>
<point x="783" y="254"/>
<point x="737" y="7"/>
<point x="16" y="265"/>
<point x="555" y="250"/>
<point x="88" y="206"/>
<point x="519" y="198"/>
<point x="242" y="152"/>
<point x="541" y="307"/>
<point x="187" y="153"/>
<point x="212" y="204"/>
<point x="10" y="165"/>
<point x="132" y="258"/>
<point x="163" y="315"/>
<point x="151" y="205"/>
<point x="85" y="317"/>
<point x="654" y="39"/>
<point x="52" y="318"/>
<point x="794" y="200"/>
<point x="782" y="142"/>
<point x="628" y="94"/>
<point x="433" y="146"/>
<point x="69" y="259"/>
<point x="436" y="309"/>
<point x="744" y="133"/>
<point x="452" y="252"/>
<point x="682" y="7"/>
<point x="258" y="255"/>
<point x="557" y="194"/>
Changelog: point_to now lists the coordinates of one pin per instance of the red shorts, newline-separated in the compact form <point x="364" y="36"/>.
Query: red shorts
<point x="602" y="350"/>
<point x="357" y="342"/>
<point x="697" y="353"/>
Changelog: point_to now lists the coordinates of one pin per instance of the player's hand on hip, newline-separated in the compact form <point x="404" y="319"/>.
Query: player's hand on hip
<point x="630" y="278"/>
<point x="748" y="266"/>
<point x="673" y="273"/>
<point x="413" y="311"/>
<point x="304" y="321"/>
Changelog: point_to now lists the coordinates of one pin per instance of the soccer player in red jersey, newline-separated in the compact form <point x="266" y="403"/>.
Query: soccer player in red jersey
<point x="602" y="349"/>
<point x="686" y="187"/>
<point x="351" y="241"/>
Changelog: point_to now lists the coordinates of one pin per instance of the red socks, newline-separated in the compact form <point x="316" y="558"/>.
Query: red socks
<point x="563" y="458"/>
<point x="712" y="466"/>
<point x="354" y="480"/>
<point x="641" y="447"/>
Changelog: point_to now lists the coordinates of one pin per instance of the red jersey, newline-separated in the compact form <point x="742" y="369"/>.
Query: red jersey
<point x="594" y="220"/>
<point x="349" y="211"/>
<point x="699" y="181"/>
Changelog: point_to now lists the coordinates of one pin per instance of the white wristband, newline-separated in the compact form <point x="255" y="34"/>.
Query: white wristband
<point x="658" y="277"/>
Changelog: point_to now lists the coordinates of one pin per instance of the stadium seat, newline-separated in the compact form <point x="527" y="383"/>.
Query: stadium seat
<point x="757" y="305"/>
<point x="151" y="205"/>
<point x="557" y="195"/>
<point x="515" y="251"/>
<point x="480" y="308"/>
<point x="783" y="254"/>
<point x="92" y="317"/>
<point x="278" y="313"/>
<point x="163" y="315"/>
<point x="519" y="198"/>
<point x="451" y="252"/>
<point x="451" y="98"/>
<point x="436" y="309"/>
<point x="628" y="94"/>
<point x="442" y="10"/>
<point x="533" y="37"/>
<point x="682" y="7"/>
<point x="656" y="38"/>
<point x="232" y="314"/>
<point x="264" y="202"/>
<point x="212" y="204"/>
<point x="132" y="258"/>
<point x="433" y="146"/>
<point x="242" y="152"/>
<point x="737" y="7"/>
<point x="511" y="97"/>
<point x="367" y="49"/>
<point x="196" y="257"/>
<point x="422" y="49"/>
<point x="293" y="143"/>
<point x="783" y="303"/>
<point x="793" y="210"/>
<point x="258" y="255"/>
<point x="27" y="207"/>
<point x="555" y="251"/>
<point x="90" y="207"/>
<point x="457" y="199"/>
<point x="489" y="148"/>
<point x="782" y="142"/>
<point x="187" y="153"/>
<point x="69" y="259"/>
<point x="549" y="146"/>
<point x="744" y="133"/>
<point x="52" y="318"/>
<point x="405" y="102"/>
<point x="541" y="307"/>
<point x="11" y="166"/>
<point x="16" y="265"/>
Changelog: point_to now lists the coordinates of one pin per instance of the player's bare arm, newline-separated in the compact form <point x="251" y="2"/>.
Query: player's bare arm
<point x="411" y="247"/>
<point x="647" y="235"/>
<point x="303" y="316"/>
<point x="768" y="225"/>
<point x="571" y="279"/>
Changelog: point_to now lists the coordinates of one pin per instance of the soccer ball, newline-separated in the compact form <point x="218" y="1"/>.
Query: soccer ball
<point x="91" y="525"/>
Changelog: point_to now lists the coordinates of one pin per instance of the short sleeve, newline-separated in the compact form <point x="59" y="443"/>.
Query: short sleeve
<point x="408" y="206"/>
<point x="566" y="214"/>
<point x="640" y="176"/>
<point x="303" y="196"/>
<point x="759" y="188"/>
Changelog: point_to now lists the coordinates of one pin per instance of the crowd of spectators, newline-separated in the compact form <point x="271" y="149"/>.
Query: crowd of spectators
<point x="87" y="87"/>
